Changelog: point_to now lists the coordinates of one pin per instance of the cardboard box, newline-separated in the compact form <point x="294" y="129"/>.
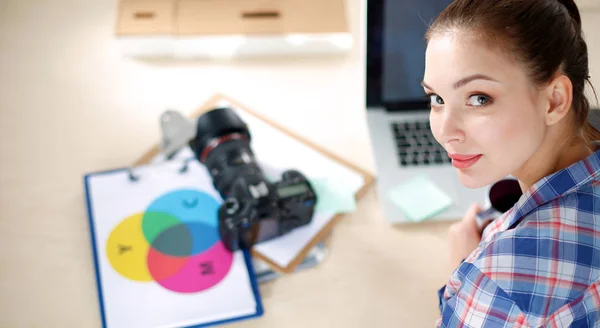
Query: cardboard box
<point x="226" y="28"/>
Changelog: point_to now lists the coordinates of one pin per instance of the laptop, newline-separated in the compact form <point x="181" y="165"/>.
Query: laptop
<point x="397" y="108"/>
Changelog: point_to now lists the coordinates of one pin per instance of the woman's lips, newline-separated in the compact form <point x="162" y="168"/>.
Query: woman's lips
<point x="464" y="161"/>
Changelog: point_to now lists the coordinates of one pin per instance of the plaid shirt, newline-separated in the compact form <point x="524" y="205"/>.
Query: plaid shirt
<point x="538" y="265"/>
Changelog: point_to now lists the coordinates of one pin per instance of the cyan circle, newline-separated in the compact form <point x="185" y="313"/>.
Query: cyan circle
<point x="189" y="206"/>
<point x="203" y="237"/>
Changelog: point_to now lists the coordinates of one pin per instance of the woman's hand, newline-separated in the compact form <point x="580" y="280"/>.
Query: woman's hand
<point x="464" y="236"/>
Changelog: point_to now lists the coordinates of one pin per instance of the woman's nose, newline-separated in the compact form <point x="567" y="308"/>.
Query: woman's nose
<point x="450" y="127"/>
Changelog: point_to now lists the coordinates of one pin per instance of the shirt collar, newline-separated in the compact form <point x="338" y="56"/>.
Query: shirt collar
<point x="551" y="187"/>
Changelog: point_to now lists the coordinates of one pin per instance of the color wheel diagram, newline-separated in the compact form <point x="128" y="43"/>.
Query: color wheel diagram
<point x="174" y="242"/>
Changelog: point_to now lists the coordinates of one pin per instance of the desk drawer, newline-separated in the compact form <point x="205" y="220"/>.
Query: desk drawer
<point x="218" y="17"/>
<point x="146" y="17"/>
<point x="208" y="17"/>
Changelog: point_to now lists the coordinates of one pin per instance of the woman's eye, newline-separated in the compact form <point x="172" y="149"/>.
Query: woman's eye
<point x="436" y="100"/>
<point x="478" y="100"/>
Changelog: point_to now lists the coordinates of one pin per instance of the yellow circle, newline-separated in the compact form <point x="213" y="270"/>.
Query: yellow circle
<point x="127" y="249"/>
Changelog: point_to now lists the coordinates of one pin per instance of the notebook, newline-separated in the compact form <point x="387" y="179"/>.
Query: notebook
<point x="158" y="257"/>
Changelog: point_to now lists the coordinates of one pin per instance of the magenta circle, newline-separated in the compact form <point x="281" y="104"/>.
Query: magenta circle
<point x="201" y="271"/>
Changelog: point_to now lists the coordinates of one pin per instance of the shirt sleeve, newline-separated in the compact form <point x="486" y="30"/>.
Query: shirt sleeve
<point x="471" y="299"/>
<point x="441" y="297"/>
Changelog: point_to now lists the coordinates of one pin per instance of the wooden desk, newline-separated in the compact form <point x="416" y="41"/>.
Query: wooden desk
<point x="375" y="276"/>
<point x="68" y="106"/>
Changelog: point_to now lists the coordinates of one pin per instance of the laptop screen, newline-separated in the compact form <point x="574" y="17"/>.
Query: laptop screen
<point x="395" y="51"/>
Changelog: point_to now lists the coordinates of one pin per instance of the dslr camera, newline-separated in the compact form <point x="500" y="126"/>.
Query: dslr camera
<point x="254" y="208"/>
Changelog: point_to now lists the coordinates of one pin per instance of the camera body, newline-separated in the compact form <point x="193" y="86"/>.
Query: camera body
<point x="255" y="209"/>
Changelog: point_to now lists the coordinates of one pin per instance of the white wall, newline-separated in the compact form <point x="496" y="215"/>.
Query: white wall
<point x="588" y="4"/>
<point x="590" y="16"/>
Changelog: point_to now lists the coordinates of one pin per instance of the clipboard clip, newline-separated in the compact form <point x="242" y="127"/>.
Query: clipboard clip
<point x="177" y="131"/>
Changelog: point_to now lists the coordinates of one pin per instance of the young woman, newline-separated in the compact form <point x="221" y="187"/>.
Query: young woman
<point x="507" y="83"/>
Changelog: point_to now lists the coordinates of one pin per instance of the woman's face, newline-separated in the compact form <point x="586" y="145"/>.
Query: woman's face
<point x="484" y="110"/>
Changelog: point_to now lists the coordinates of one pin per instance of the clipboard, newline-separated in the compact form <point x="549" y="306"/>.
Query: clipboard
<point x="368" y="179"/>
<point x="157" y="255"/>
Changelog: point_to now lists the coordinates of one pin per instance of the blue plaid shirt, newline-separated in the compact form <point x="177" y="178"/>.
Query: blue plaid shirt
<point x="538" y="265"/>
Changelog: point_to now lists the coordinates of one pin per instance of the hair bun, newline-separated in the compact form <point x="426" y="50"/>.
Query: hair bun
<point x="573" y="10"/>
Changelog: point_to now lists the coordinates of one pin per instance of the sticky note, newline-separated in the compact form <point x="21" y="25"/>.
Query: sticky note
<point x="333" y="196"/>
<point x="419" y="198"/>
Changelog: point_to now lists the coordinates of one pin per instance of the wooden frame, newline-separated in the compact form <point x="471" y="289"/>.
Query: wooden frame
<point x="369" y="179"/>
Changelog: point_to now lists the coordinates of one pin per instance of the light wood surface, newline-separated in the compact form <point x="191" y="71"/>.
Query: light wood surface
<point x="70" y="105"/>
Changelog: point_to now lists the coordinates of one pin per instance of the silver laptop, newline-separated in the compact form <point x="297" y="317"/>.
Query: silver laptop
<point x="397" y="107"/>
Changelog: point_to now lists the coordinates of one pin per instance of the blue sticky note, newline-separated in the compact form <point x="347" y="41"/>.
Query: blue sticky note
<point x="419" y="198"/>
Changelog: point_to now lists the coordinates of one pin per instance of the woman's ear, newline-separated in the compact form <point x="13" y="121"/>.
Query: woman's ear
<point x="560" y="96"/>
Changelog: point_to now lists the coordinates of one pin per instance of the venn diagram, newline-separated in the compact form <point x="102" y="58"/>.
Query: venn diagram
<point x="174" y="242"/>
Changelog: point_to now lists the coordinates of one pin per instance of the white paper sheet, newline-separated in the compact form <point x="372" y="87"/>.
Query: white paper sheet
<point x="282" y="250"/>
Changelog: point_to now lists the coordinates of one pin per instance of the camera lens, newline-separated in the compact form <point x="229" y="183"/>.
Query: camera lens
<point x="215" y="127"/>
<point x="222" y="143"/>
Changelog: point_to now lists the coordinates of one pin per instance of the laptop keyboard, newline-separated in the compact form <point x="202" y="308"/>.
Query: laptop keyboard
<point x="416" y="145"/>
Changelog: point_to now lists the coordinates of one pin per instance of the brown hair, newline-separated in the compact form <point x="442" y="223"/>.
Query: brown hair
<point x="545" y="35"/>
